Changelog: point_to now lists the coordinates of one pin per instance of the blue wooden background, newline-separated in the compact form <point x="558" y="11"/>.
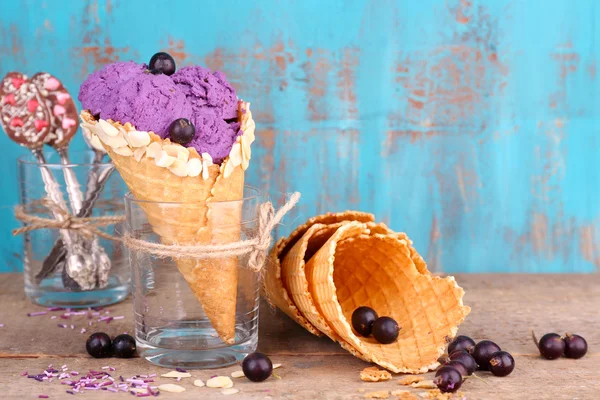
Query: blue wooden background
<point x="471" y="125"/>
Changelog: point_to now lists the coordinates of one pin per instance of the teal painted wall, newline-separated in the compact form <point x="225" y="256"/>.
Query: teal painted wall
<point x="471" y="125"/>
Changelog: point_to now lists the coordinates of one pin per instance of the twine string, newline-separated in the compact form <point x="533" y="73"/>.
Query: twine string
<point x="255" y="247"/>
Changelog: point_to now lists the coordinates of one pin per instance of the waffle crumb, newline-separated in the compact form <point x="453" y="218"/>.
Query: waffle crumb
<point x="410" y="379"/>
<point x="374" y="374"/>
<point x="436" y="394"/>
<point x="424" y="385"/>
<point x="382" y="394"/>
<point x="404" y="395"/>
<point x="361" y="390"/>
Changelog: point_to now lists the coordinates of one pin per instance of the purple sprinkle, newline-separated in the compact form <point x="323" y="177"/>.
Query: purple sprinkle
<point x="119" y="317"/>
<point x="70" y="392"/>
<point x="151" y="391"/>
<point x="43" y="396"/>
<point x="143" y="394"/>
<point x="112" y="369"/>
<point x="121" y="378"/>
<point x="53" y="317"/>
<point x="180" y="370"/>
<point x="1" y="325"/>
<point x="33" y="314"/>
<point x="31" y="376"/>
<point x="214" y="376"/>
<point x="24" y="373"/>
<point x="74" y="373"/>
<point x="110" y="389"/>
<point x="62" y="326"/>
<point x="132" y="393"/>
<point x="55" y="309"/>
<point x="151" y="375"/>
<point x="63" y="316"/>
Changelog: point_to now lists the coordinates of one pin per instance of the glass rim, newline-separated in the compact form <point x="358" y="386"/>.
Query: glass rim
<point x="130" y="198"/>
<point x="29" y="159"/>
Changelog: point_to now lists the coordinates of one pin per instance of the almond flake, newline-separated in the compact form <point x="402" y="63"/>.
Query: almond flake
<point x="424" y="385"/>
<point x="410" y="379"/>
<point x="171" y="388"/>
<point x="382" y="394"/>
<point x="229" y="391"/>
<point x="239" y="374"/>
<point x="219" y="382"/>
<point x="275" y="366"/>
<point x="199" y="383"/>
<point x="176" y="374"/>
<point x="153" y="150"/>
<point x="374" y="374"/>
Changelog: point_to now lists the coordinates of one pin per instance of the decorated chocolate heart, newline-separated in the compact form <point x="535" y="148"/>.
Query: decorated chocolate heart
<point x="61" y="104"/>
<point x="24" y="115"/>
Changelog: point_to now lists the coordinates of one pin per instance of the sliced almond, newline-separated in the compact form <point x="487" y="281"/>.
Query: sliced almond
<point x="237" y="374"/>
<point x="171" y="388"/>
<point x="194" y="167"/>
<point x="219" y="382"/>
<point x="139" y="153"/>
<point x="164" y="160"/>
<point x="176" y="374"/>
<point x="179" y="168"/>
<point x="153" y="150"/>
<point x="199" y="383"/>
<point x="229" y="391"/>
<point x="108" y="128"/>
<point x="137" y="138"/>
<point x="275" y="366"/>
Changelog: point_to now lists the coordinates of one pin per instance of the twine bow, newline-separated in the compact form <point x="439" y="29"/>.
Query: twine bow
<point x="255" y="247"/>
<point x="87" y="227"/>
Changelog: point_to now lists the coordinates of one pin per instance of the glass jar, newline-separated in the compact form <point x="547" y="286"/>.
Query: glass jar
<point x="192" y="312"/>
<point x="63" y="267"/>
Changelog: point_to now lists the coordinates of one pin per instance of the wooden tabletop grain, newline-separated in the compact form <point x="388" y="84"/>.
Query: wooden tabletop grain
<point x="504" y="309"/>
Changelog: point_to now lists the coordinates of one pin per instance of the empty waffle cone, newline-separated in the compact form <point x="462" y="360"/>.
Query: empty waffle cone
<point x="273" y="284"/>
<point x="194" y="220"/>
<point x="350" y="271"/>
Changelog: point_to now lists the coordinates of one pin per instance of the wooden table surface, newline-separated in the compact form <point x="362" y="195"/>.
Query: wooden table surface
<point x="504" y="309"/>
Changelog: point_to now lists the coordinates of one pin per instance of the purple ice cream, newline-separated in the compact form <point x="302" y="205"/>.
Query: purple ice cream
<point x="209" y="93"/>
<point x="150" y="102"/>
<point x="99" y="89"/>
<point x="127" y="92"/>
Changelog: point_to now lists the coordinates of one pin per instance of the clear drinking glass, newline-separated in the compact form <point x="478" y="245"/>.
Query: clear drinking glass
<point x="171" y="327"/>
<point x="53" y="286"/>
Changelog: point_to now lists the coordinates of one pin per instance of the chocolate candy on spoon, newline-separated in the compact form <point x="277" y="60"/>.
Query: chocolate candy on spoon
<point x="26" y="119"/>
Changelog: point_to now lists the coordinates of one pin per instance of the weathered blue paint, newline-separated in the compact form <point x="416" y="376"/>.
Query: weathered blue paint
<point x="471" y="125"/>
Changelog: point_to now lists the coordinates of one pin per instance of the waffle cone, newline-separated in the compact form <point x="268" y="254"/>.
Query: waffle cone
<point x="275" y="291"/>
<point x="353" y="269"/>
<point x="194" y="221"/>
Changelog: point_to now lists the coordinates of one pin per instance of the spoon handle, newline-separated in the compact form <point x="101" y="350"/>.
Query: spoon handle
<point x="75" y="196"/>
<point x="58" y="253"/>
<point x="53" y="191"/>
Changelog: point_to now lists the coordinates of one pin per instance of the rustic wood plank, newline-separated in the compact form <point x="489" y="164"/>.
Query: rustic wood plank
<point x="505" y="308"/>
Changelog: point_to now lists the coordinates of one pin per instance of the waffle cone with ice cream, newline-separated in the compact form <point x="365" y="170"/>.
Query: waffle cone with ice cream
<point x="330" y="268"/>
<point x="197" y="176"/>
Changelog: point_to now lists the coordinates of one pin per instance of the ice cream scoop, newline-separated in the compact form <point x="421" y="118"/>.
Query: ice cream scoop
<point x="27" y="120"/>
<point x="130" y="92"/>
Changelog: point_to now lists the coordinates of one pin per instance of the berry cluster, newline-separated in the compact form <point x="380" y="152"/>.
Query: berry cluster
<point x="99" y="345"/>
<point x="553" y="346"/>
<point x="365" y="322"/>
<point x="465" y="357"/>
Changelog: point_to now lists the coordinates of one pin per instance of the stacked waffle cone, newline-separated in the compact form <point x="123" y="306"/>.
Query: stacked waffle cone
<point x="196" y="214"/>
<point x="335" y="263"/>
